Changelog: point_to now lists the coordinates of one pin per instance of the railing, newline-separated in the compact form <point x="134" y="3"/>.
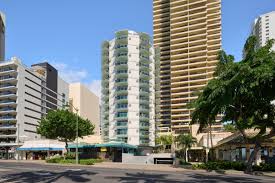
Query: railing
<point x="6" y="85"/>
<point x="6" y="101"/>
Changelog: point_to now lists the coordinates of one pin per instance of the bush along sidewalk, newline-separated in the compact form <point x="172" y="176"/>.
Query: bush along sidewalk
<point x="61" y="160"/>
<point x="227" y="165"/>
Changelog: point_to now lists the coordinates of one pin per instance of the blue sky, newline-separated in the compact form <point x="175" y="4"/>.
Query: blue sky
<point x="68" y="33"/>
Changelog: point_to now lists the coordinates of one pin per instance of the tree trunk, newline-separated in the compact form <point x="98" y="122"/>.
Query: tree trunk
<point x="66" y="147"/>
<point x="252" y="157"/>
<point x="211" y="137"/>
<point x="211" y="142"/>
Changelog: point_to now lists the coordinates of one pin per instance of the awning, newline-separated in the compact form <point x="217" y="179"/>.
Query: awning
<point x="81" y="145"/>
<point x="110" y="144"/>
<point x="42" y="145"/>
<point x="39" y="149"/>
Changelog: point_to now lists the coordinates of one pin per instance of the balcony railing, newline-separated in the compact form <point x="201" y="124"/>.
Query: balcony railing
<point x="7" y="69"/>
<point x="7" y="101"/>
<point x="7" y="85"/>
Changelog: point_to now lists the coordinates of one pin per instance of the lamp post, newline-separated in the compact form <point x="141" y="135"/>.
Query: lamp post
<point x="76" y="149"/>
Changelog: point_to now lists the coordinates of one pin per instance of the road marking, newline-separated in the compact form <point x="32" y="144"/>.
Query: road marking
<point x="73" y="169"/>
<point x="43" y="173"/>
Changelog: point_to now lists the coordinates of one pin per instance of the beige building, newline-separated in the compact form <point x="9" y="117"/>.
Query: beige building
<point x="86" y="102"/>
<point x="188" y="33"/>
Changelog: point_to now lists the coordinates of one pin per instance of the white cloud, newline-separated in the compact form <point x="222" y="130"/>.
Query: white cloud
<point x="71" y="75"/>
<point x="95" y="87"/>
<point x="74" y="75"/>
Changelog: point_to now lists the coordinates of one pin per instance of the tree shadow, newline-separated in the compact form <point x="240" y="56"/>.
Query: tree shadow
<point x="47" y="176"/>
<point x="185" y="177"/>
<point x="215" y="178"/>
<point x="145" y="177"/>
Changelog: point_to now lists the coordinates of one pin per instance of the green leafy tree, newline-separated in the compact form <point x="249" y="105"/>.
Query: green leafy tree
<point x="164" y="140"/>
<point x="61" y="124"/>
<point x="185" y="142"/>
<point x="242" y="92"/>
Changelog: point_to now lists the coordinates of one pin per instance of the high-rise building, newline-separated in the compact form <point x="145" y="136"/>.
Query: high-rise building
<point x="264" y="28"/>
<point x="2" y="37"/>
<point x="128" y="89"/>
<point x="24" y="101"/>
<point x="86" y="102"/>
<point x="188" y="34"/>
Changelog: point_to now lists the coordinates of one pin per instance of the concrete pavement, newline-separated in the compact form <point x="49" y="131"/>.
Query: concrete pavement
<point x="23" y="172"/>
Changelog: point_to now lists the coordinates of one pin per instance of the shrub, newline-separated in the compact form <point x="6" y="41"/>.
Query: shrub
<point x="54" y="160"/>
<point x="182" y="162"/>
<point x="70" y="155"/>
<point x="226" y="165"/>
<point x="264" y="167"/>
<point x="216" y="165"/>
<point x="72" y="161"/>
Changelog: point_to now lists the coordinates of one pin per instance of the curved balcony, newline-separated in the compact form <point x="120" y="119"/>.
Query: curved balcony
<point x="7" y="102"/>
<point x="121" y="101"/>
<point x="121" y="75"/>
<point x="121" y="58"/>
<point x="143" y="101"/>
<point x="122" y="83"/>
<point x="144" y="68"/>
<point x="121" y="92"/>
<point x="121" y="50"/>
<point x="121" y="41"/>
<point x="146" y="85"/>
<point x="144" y="119"/>
<point x="144" y="60"/>
<point x="121" y="67"/>
<point x="144" y="53"/>
<point x="144" y="93"/>
<point x="121" y="118"/>
<point x="121" y="109"/>
<point x="144" y="77"/>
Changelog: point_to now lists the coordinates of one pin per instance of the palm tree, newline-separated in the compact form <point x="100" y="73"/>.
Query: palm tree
<point x="186" y="142"/>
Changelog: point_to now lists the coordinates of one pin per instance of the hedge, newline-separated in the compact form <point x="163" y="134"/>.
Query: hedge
<point x="226" y="165"/>
<point x="61" y="160"/>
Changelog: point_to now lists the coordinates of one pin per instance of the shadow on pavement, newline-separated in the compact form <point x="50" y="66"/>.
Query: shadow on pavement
<point x="146" y="178"/>
<point x="186" y="178"/>
<point x="47" y="176"/>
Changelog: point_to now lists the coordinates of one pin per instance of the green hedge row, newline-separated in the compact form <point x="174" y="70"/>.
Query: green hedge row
<point x="227" y="165"/>
<point x="72" y="161"/>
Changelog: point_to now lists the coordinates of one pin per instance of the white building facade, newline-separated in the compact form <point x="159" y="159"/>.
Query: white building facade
<point x="128" y="89"/>
<point x="264" y="28"/>
<point x="24" y="100"/>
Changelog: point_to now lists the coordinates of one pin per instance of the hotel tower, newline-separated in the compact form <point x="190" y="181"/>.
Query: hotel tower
<point x="188" y="34"/>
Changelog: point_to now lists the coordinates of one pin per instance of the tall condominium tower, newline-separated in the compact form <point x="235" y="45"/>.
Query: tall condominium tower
<point x="264" y="28"/>
<point x="2" y="37"/>
<point x="128" y="89"/>
<point x="188" y="33"/>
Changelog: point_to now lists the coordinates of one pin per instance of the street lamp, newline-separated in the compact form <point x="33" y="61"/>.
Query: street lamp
<point x="76" y="149"/>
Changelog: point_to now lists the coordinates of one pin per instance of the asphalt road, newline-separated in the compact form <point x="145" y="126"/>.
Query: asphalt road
<point x="20" y="172"/>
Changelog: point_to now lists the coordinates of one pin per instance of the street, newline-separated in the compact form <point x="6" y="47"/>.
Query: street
<point x="21" y="172"/>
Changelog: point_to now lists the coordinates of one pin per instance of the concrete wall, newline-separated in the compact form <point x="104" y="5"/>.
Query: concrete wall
<point x="132" y="159"/>
<point x="86" y="102"/>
